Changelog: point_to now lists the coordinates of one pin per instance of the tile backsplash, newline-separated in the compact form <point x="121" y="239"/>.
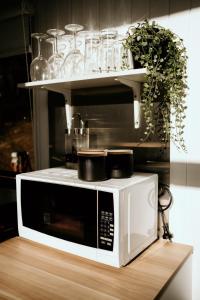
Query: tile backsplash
<point x="109" y="114"/>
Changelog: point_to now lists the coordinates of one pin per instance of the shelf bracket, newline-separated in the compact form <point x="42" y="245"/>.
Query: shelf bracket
<point x="136" y="88"/>
<point x="68" y="107"/>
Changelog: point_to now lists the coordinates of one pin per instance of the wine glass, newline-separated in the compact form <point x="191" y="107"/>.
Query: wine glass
<point x="51" y="41"/>
<point x="80" y="40"/>
<point x="64" y="44"/>
<point x="39" y="67"/>
<point x="56" y="59"/>
<point x="74" y="61"/>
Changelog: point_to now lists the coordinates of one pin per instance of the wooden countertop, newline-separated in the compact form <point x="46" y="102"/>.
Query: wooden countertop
<point x="30" y="271"/>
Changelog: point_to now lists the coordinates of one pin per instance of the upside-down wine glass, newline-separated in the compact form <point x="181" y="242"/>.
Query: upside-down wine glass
<point x="56" y="59"/>
<point x="74" y="61"/>
<point x="64" y="44"/>
<point x="39" y="67"/>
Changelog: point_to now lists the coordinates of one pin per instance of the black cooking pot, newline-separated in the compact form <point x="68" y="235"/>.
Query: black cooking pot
<point x="120" y="163"/>
<point x="92" y="165"/>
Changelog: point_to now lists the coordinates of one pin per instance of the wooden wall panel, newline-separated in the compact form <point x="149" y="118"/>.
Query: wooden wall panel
<point x="86" y="12"/>
<point x="158" y="8"/>
<point x="52" y="14"/>
<point x="44" y="16"/>
<point x="114" y="13"/>
<point x="63" y="13"/>
<point x="140" y="10"/>
<point x="177" y="6"/>
<point x="195" y="3"/>
<point x="92" y="15"/>
<point x="78" y="12"/>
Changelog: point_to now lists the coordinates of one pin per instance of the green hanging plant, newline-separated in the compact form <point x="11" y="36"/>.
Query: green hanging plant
<point x="163" y="54"/>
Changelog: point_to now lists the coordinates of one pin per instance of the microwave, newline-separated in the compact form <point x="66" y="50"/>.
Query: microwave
<point x="110" y="221"/>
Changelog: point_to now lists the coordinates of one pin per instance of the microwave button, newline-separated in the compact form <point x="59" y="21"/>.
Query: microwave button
<point x="108" y="240"/>
<point x="111" y="233"/>
<point x="105" y="239"/>
<point x="111" y="225"/>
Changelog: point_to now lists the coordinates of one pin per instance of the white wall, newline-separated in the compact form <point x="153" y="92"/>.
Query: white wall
<point x="185" y="169"/>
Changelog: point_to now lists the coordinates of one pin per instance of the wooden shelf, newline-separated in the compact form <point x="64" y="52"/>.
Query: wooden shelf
<point x="88" y="81"/>
<point x="131" y="78"/>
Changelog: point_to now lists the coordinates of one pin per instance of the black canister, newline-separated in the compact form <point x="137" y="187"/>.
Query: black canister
<point x="120" y="163"/>
<point x="92" y="165"/>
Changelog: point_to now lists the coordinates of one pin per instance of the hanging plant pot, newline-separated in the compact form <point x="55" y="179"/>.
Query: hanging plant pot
<point x="163" y="54"/>
<point x="136" y="64"/>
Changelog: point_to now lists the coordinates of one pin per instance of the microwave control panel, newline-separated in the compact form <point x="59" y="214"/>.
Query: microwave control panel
<point x="105" y="220"/>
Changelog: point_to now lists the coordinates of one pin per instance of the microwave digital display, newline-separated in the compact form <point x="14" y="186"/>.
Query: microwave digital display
<point x="74" y="214"/>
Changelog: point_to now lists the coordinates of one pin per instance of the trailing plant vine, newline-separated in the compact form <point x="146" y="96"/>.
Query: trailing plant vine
<point x="163" y="54"/>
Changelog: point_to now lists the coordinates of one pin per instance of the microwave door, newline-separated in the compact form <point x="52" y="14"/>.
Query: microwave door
<point x="65" y="212"/>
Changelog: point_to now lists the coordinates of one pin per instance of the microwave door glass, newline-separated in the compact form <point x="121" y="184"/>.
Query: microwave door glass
<point x="65" y="212"/>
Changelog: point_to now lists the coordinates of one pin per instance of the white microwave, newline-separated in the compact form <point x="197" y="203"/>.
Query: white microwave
<point x="110" y="221"/>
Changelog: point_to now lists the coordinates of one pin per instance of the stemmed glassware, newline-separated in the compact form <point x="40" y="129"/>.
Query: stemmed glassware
<point x="39" y="67"/>
<point x="56" y="59"/>
<point x="64" y="44"/>
<point x="80" y="52"/>
<point x="51" y="41"/>
<point x="74" y="61"/>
